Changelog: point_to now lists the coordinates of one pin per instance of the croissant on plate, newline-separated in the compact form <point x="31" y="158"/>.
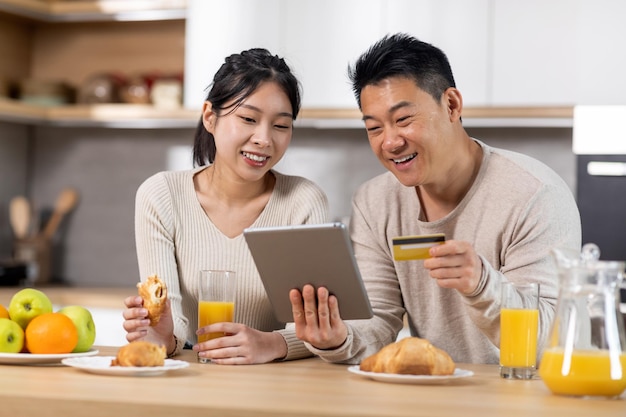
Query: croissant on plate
<point x="412" y="356"/>
<point x="140" y="353"/>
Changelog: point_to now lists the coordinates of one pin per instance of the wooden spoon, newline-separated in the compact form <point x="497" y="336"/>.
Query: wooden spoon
<point x="66" y="201"/>
<point x="19" y="216"/>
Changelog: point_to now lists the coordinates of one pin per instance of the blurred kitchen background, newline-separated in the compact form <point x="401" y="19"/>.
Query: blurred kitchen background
<point x="99" y="95"/>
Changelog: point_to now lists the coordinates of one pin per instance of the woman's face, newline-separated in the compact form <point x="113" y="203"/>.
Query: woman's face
<point x="252" y="139"/>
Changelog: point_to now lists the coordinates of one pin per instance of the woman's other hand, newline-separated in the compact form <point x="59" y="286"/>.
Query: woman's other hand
<point x="242" y="345"/>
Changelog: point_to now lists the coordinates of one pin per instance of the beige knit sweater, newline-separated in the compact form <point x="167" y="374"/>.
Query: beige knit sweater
<point x="516" y="211"/>
<point x="176" y="240"/>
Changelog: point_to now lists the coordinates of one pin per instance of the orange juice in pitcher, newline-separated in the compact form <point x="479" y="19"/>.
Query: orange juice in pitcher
<point x="585" y="373"/>
<point x="586" y="352"/>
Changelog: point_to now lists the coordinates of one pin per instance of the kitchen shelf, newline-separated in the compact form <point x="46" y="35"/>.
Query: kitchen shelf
<point x="483" y="116"/>
<point x="89" y="11"/>
<point x="101" y="115"/>
<point x="149" y="117"/>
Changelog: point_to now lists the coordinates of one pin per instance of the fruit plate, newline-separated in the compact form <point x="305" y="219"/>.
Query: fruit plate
<point x="40" y="359"/>
<point x="411" y="379"/>
<point x="102" y="365"/>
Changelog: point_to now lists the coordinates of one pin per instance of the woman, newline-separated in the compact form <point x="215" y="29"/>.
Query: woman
<point x="193" y="220"/>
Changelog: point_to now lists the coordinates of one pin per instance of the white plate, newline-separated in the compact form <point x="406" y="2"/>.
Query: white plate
<point x="40" y="358"/>
<point x="411" y="379"/>
<point x="102" y="365"/>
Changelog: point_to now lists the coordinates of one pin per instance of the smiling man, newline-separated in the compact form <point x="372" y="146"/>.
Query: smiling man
<point x="501" y="213"/>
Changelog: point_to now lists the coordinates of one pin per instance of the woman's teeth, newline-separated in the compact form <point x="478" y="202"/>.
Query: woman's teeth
<point x="256" y="158"/>
<point x="406" y="158"/>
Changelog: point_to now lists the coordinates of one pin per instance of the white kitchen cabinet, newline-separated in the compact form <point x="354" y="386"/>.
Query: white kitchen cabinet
<point x="315" y="37"/>
<point x="600" y="53"/>
<point x="216" y="29"/>
<point x="460" y="28"/>
<point x="320" y="38"/>
<point x="561" y="52"/>
<point x="534" y="52"/>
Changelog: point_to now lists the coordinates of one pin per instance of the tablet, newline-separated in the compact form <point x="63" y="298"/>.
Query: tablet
<point x="289" y="257"/>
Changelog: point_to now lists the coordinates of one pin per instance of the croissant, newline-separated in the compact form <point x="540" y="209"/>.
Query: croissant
<point x="140" y="353"/>
<point x="410" y="355"/>
<point x="154" y="293"/>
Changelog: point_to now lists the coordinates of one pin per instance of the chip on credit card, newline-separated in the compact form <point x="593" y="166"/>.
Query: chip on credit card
<point x="409" y="248"/>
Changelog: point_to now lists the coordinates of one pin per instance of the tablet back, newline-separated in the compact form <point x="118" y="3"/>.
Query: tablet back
<point x="319" y="254"/>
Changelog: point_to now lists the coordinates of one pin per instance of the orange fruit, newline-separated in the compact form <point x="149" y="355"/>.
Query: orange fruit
<point x="51" y="333"/>
<point x="4" y="313"/>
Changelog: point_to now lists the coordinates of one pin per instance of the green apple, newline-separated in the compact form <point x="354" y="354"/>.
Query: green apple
<point x="85" y="325"/>
<point x="11" y="336"/>
<point x="28" y="303"/>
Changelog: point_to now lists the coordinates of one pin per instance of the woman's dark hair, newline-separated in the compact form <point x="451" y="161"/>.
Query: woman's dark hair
<point x="239" y="76"/>
<point x="402" y="55"/>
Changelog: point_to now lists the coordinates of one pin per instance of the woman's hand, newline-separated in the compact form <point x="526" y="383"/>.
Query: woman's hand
<point x="241" y="345"/>
<point x="137" y="324"/>
<point x="317" y="317"/>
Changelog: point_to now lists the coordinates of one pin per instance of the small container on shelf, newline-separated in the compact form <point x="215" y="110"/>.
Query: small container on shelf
<point x="45" y="92"/>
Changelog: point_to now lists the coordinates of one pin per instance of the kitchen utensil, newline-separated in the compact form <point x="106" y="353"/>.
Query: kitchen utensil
<point x="586" y="352"/>
<point x="19" y="216"/>
<point x="66" y="201"/>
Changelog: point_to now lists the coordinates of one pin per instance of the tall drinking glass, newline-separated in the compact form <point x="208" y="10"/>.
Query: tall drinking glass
<point x="519" y="322"/>
<point x="216" y="302"/>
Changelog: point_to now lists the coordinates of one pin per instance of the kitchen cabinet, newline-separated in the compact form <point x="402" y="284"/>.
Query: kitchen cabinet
<point x="534" y="52"/>
<point x="600" y="58"/>
<point x="315" y="38"/>
<point x="503" y="53"/>
<point x="321" y="38"/>
<point x="461" y="29"/>
<point x="560" y="52"/>
<point x="70" y="41"/>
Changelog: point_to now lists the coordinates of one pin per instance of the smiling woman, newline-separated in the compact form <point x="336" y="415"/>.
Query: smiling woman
<point x="192" y="220"/>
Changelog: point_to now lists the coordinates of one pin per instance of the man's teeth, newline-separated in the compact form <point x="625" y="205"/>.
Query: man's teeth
<point x="406" y="158"/>
<point x="255" y="157"/>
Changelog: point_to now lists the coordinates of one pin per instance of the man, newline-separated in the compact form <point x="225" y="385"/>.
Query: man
<point x="501" y="212"/>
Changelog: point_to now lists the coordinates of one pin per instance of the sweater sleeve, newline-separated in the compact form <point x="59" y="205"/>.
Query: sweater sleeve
<point x="154" y="229"/>
<point x="549" y="220"/>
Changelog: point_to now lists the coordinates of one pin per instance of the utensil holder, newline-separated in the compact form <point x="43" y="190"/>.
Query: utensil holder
<point x="37" y="253"/>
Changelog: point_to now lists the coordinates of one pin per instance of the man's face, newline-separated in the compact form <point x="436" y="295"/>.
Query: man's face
<point x="408" y="130"/>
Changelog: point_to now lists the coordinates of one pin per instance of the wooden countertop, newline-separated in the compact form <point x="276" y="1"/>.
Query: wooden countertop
<point x="85" y="296"/>
<point x="307" y="387"/>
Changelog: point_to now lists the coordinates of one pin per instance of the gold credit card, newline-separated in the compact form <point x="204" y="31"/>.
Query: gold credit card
<point x="409" y="248"/>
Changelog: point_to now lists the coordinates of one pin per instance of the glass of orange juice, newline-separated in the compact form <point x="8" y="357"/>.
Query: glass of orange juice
<point x="519" y="321"/>
<point x="216" y="302"/>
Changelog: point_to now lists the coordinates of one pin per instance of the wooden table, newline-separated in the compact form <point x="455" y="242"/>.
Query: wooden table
<point x="307" y="387"/>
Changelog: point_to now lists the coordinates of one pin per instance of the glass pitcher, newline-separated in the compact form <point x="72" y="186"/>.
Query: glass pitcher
<point x="586" y="351"/>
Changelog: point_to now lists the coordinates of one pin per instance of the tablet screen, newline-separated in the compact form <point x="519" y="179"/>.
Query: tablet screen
<point x="318" y="254"/>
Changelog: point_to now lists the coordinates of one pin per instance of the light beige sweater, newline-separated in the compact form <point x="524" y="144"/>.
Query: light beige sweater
<point x="176" y="240"/>
<point x="516" y="211"/>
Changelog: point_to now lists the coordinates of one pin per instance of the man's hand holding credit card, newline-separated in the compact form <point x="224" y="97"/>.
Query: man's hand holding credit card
<point x="409" y="248"/>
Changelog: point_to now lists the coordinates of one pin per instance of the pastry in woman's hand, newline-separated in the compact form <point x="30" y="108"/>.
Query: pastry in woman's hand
<point x="154" y="294"/>
<point x="411" y="355"/>
<point x="140" y="353"/>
